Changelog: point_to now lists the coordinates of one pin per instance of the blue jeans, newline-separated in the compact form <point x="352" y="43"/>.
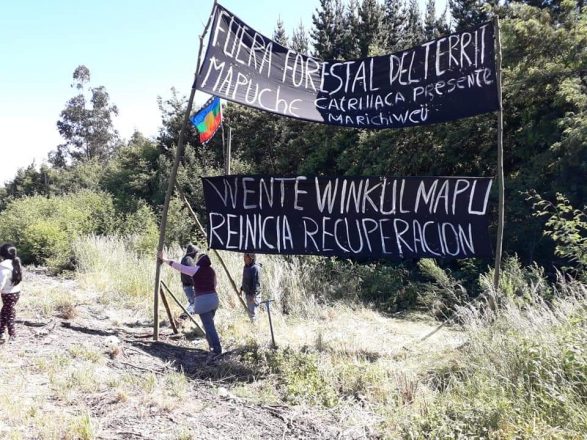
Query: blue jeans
<point x="205" y="305"/>
<point x="191" y="296"/>
<point x="210" y="329"/>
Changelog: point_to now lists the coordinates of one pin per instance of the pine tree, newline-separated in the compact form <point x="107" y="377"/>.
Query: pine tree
<point x="299" y="39"/>
<point x="414" y="30"/>
<point x="323" y="21"/>
<point x="350" y="26"/>
<point x="430" y="31"/>
<point x="394" y="21"/>
<point x="279" y="34"/>
<point x="469" y="13"/>
<point x="434" y="27"/>
<point x="332" y="35"/>
<point x="369" y="35"/>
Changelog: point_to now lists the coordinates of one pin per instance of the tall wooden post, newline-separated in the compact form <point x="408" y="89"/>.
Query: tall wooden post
<point x="500" y="178"/>
<point x="227" y="152"/>
<point x="171" y="184"/>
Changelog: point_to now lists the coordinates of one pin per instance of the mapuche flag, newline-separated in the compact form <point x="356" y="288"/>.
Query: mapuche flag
<point x="208" y="119"/>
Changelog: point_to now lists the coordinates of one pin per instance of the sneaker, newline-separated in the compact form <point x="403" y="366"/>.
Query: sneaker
<point x="3" y="338"/>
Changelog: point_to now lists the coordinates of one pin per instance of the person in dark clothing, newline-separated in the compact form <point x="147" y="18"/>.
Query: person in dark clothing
<point x="206" y="299"/>
<point x="251" y="284"/>
<point x="187" y="281"/>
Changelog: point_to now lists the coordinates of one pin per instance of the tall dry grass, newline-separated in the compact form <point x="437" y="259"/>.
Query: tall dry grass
<point x="112" y="267"/>
<point x="516" y="372"/>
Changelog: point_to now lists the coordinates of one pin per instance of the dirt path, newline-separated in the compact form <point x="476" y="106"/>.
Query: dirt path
<point x="84" y="370"/>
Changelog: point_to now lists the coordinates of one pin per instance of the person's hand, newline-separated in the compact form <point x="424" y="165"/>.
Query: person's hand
<point x="163" y="257"/>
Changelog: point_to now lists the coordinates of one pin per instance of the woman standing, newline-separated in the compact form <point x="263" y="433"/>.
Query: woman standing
<point x="206" y="298"/>
<point x="10" y="278"/>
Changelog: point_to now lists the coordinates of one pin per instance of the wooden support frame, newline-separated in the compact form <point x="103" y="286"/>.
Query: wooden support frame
<point x="168" y="310"/>
<point x="182" y="307"/>
<point x="500" y="173"/>
<point x="171" y="184"/>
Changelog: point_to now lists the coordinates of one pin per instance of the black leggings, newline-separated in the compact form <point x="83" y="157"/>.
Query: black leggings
<point x="8" y="312"/>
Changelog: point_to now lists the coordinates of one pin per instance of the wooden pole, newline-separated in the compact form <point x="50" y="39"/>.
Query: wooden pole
<point x="168" y="310"/>
<point x="500" y="177"/>
<point x="227" y="152"/>
<point x="197" y="220"/>
<point x="170" y="185"/>
<point x="182" y="307"/>
<point x="224" y="146"/>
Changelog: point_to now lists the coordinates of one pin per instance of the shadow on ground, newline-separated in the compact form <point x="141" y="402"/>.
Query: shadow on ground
<point x="197" y="362"/>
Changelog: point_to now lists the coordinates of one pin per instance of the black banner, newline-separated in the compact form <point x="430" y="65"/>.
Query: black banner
<point x="445" y="79"/>
<point x="350" y="217"/>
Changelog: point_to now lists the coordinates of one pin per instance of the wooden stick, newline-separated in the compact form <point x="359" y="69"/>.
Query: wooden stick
<point x="500" y="178"/>
<point x="169" y="315"/>
<point x="227" y="152"/>
<point x="182" y="307"/>
<point x="195" y="216"/>
<point x="170" y="186"/>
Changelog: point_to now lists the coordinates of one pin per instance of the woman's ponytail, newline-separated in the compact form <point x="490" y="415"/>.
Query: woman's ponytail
<point x="16" y="271"/>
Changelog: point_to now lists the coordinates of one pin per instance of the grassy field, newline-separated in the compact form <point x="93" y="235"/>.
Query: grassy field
<point x="341" y="370"/>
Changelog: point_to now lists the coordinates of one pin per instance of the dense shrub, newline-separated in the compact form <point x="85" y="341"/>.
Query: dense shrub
<point x="43" y="229"/>
<point x="522" y="373"/>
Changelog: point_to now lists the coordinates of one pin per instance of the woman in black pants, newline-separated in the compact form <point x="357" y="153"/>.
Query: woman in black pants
<point x="10" y="278"/>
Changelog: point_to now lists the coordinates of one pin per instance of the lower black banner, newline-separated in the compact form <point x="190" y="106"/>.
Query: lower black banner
<point x="365" y="218"/>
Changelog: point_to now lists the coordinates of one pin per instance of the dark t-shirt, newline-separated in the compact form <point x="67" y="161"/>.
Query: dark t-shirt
<point x="251" y="279"/>
<point x="187" y="280"/>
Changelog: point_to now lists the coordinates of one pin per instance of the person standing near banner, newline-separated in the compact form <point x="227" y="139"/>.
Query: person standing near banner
<point x="187" y="281"/>
<point x="251" y="284"/>
<point x="206" y="299"/>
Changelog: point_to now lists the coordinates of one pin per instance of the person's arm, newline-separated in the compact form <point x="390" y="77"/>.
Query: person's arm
<point x="188" y="270"/>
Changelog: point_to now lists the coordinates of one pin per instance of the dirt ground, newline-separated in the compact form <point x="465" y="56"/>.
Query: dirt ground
<point x="85" y="370"/>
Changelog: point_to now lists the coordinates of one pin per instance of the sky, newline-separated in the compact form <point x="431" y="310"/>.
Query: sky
<point x="137" y="50"/>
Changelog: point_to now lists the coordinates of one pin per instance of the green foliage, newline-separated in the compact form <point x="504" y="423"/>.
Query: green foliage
<point x="137" y="172"/>
<point x="86" y="124"/>
<point x="442" y="294"/>
<point x="299" y="376"/>
<point x="43" y="229"/>
<point x="523" y="374"/>
<point x="567" y="227"/>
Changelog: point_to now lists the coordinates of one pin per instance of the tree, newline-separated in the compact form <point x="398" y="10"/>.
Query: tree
<point x="370" y="26"/>
<point x="299" y="39"/>
<point x="279" y="34"/>
<point x="414" y="30"/>
<point x="469" y="13"/>
<point x="434" y="27"/>
<point x="86" y="124"/>
<point x="332" y="31"/>
<point x="394" y="20"/>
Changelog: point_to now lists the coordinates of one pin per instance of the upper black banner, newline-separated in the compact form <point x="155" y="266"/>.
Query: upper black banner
<point x="350" y="217"/>
<point x="445" y="79"/>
